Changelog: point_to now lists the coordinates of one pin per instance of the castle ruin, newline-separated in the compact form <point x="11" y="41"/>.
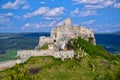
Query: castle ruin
<point x="61" y="34"/>
<point x="56" y="44"/>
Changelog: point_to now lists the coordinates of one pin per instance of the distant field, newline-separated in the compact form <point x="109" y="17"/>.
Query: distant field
<point x="11" y="42"/>
<point x="2" y="59"/>
<point x="18" y="41"/>
<point x="9" y="55"/>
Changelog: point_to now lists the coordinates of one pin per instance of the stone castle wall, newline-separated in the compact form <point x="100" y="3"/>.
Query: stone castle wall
<point x="64" y="54"/>
<point x="43" y="40"/>
<point x="57" y="54"/>
<point x="24" y="55"/>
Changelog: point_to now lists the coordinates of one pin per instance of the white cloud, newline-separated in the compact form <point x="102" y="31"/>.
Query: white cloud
<point x="55" y="11"/>
<point x="46" y="12"/>
<point x="5" y="21"/>
<point x="52" y="24"/>
<point x="87" y="1"/>
<point x="87" y="13"/>
<point x="9" y="15"/>
<point x="39" y="25"/>
<point x="95" y="4"/>
<point x="25" y="7"/>
<point x="14" y="5"/>
<point x="61" y="23"/>
<point x="84" y="13"/>
<point x="108" y="3"/>
<point x="42" y="2"/>
<point x="106" y="27"/>
<point x="75" y="12"/>
<point x="52" y="18"/>
<point x="32" y="25"/>
<point x="117" y="5"/>
<point x="89" y="22"/>
<point x="40" y="11"/>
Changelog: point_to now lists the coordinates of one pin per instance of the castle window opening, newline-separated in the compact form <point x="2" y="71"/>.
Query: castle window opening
<point x="54" y="40"/>
<point x="67" y="56"/>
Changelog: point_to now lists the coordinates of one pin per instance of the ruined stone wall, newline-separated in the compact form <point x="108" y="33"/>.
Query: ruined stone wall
<point x="56" y="54"/>
<point x="64" y="54"/>
<point x="26" y="54"/>
<point x="43" y="40"/>
<point x="67" y="32"/>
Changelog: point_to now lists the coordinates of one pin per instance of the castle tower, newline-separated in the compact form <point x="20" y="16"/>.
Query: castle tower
<point x="68" y="22"/>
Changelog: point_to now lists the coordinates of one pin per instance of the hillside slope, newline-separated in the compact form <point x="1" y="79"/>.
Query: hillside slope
<point x="98" y="64"/>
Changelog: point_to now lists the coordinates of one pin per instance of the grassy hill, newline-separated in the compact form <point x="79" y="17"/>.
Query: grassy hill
<point x="98" y="64"/>
<point x="50" y="68"/>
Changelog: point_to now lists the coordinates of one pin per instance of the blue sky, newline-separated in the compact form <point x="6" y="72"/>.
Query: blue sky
<point x="42" y="15"/>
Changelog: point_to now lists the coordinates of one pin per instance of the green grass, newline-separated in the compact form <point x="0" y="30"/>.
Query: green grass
<point x="11" y="54"/>
<point x="44" y="47"/>
<point x="55" y="69"/>
<point x="2" y="59"/>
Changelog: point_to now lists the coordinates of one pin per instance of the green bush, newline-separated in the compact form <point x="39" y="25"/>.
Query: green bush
<point x="17" y="74"/>
<point x="93" y="50"/>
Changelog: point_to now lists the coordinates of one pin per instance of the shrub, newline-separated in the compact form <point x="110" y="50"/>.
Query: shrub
<point x="91" y="49"/>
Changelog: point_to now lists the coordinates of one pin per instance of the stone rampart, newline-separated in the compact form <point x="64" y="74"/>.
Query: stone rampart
<point x="64" y="54"/>
<point x="44" y="40"/>
<point x="24" y="55"/>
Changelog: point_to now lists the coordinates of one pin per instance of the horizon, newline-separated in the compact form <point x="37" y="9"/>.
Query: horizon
<point x="21" y="16"/>
<point x="50" y="32"/>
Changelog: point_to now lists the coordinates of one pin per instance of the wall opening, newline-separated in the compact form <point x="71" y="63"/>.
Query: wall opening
<point x="54" y="40"/>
